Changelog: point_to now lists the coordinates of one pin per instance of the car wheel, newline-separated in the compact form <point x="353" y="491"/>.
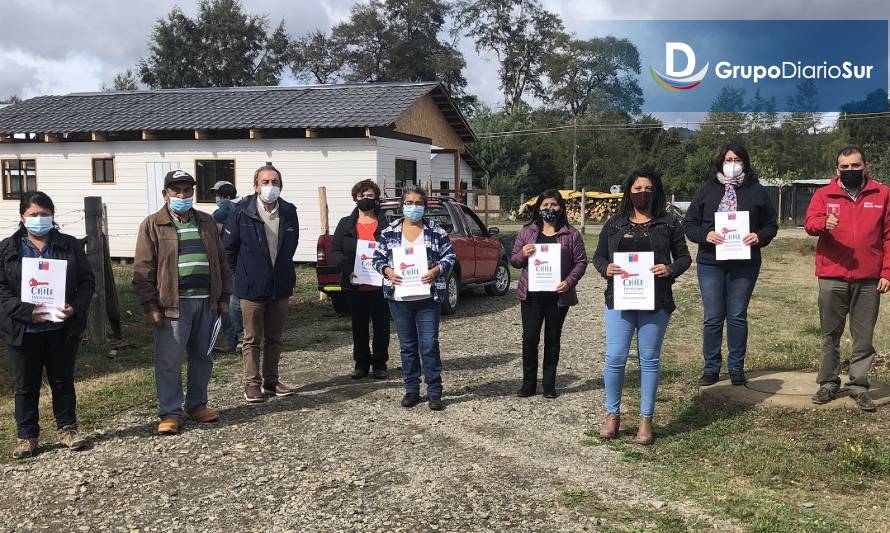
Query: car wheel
<point x="501" y="281"/>
<point x="340" y="303"/>
<point x="452" y="294"/>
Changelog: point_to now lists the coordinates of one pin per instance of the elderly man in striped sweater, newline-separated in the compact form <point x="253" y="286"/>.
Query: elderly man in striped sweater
<point x="182" y="278"/>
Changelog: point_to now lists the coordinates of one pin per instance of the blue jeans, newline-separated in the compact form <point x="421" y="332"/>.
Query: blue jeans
<point x="725" y="293"/>
<point x="417" y="324"/>
<point x="233" y="322"/>
<point x="620" y="327"/>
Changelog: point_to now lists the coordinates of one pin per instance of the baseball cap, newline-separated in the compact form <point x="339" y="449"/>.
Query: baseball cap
<point x="220" y="184"/>
<point x="175" y="176"/>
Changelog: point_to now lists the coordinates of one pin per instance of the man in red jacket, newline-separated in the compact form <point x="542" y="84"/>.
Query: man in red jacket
<point x="851" y="217"/>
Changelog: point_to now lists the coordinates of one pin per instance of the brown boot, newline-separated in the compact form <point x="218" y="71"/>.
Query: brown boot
<point x="609" y="429"/>
<point x="25" y="448"/>
<point x="644" y="434"/>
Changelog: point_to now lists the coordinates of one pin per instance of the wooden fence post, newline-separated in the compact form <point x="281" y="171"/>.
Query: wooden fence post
<point x="325" y="224"/>
<point x="93" y="211"/>
<point x="583" y="210"/>
<point x="487" y="193"/>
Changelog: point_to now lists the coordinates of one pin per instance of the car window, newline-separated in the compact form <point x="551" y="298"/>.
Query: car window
<point x="437" y="213"/>
<point x="473" y="223"/>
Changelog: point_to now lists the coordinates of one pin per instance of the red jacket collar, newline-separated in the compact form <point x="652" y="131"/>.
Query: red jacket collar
<point x="835" y="188"/>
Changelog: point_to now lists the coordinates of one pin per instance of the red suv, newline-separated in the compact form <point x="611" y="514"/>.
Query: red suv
<point x="481" y="257"/>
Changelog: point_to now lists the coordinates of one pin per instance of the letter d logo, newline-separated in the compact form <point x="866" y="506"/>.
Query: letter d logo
<point x="681" y="80"/>
<point x="670" y="50"/>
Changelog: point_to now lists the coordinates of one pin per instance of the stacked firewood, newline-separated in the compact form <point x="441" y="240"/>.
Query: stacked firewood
<point x="598" y="209"/>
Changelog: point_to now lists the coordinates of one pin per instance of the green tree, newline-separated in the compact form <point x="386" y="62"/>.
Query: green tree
<point x="123" y="81"/>
<point x="222" y="46"/>
<point x="399" y="40"/>
<point x="595" y="75"/>
<point x="521" y="34"/>
<point x="317" y="57"/>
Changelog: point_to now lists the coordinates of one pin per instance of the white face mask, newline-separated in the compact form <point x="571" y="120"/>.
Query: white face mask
<point x="732" y="170"/>
<point x="269" y="193"/>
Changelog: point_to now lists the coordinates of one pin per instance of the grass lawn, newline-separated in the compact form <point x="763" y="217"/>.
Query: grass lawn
<point x="770" y="469"/>
<point x="109" y="383"/>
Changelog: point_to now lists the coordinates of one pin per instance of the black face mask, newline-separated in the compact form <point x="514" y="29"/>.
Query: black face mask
<point x="367" y="204"/>
<point x="852" y="179"/>
<point x="641" y="200"/>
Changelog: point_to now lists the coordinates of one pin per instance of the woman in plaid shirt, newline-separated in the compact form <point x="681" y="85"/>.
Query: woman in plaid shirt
<point x="417" y="316"/>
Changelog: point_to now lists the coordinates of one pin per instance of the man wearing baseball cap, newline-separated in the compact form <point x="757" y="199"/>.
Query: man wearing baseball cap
<point x="233" y="321"/>
<point x="182" y="279"/>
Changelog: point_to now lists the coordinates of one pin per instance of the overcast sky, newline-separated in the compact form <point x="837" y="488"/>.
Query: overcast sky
<point x="63" y="46"/>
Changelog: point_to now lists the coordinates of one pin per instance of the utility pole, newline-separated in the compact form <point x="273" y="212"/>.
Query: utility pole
<point x="574" y="152"/>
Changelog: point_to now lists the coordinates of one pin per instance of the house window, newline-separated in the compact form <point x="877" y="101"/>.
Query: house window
<point x="208" y="172"/>
<point x="406" y="172"/>
<point x="19" y="176"/>
<point x="103" y="170"/>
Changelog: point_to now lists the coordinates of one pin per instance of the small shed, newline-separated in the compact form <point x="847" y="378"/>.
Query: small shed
<point x="792" y="200"/>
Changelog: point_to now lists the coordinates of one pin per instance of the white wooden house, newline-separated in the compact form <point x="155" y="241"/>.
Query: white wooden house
<point x="120" y="145"/>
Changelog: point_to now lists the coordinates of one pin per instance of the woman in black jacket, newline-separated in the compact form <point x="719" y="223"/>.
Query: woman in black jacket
<point x="34" y="342"/>
<point x="642" y="225"/>
<point x="367" y="303"/>
<point x="726" y="286"/>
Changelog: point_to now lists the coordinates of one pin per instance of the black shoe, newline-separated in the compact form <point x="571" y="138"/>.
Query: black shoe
<point x="359" y="373"/>
<point x="410" y="400"/>
<point x="380" y="373"/>
<point x="824" y="395"/>
<point x="527" y="390"/>
<point x="550" y="393"/>
<point x="863" y="400"/>
<point x="436" y="404"/>
<point x="709" y="378"/>
<point x="737" y="377"/>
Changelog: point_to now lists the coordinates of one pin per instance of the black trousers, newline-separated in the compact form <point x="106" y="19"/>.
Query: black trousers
<point x="540" y="308"/>
<point x="54" y="351"/>
<point x="370" y="307"/>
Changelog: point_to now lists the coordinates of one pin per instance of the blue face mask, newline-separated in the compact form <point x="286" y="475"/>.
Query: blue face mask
<point x="413" y="212"/>
<point x="219" y="202"/>
<point x="39" y="226"/>
<point x="181" y="205"/>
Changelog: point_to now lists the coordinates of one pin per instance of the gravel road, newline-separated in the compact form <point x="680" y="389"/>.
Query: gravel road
<point x="343" y="455"/>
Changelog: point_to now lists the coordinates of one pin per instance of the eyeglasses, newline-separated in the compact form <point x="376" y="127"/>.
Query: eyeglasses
<point x="736" y="160"/>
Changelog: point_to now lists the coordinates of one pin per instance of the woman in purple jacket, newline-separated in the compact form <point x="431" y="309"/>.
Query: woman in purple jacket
<point x="549" y="225"/>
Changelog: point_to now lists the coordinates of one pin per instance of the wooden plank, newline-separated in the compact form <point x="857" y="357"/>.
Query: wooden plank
<point x="323" y="210"/>
<point x="96" y="321"/>
<point x="4" y="138"/>
<point x="98" y="136"/>
<point x="52" y="138"/>
<point x="256" y="133"/>
<point x="311" y="134"/>
<point x="202" y="135"/>
<point x="148" y="135"/>
<point x="457" y="195"/>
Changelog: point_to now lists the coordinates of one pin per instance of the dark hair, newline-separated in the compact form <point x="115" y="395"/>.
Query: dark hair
<point x="226" y="191"/>
<point x="365" y="185"/>
<point x="414" y="189"/>
<point x="38" y="198"/>
<point x="742" y="153"/>
<point x="658" y="203"/>
<point x="268" y="166"/>
<point x="850" y="150"/>
<point x="563" y="218"/>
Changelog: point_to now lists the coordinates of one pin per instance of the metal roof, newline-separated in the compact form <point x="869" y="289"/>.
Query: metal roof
<point x="305" y="106"/>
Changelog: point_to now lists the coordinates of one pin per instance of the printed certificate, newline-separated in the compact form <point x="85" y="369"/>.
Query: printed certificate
<point x="634" y="287"/>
